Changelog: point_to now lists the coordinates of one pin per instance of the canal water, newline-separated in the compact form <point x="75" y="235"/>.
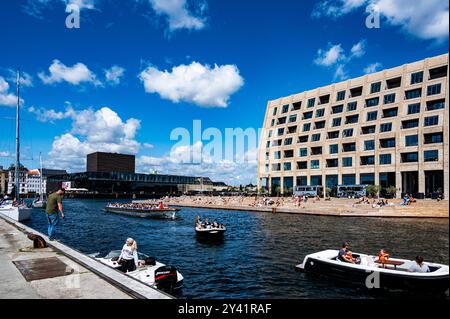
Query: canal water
<point x="257" y="257"/>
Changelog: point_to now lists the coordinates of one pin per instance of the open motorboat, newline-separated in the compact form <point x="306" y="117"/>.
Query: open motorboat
<point x="369" y="273"/>
<point x="210" y="230"/>
<point x="142" y="210"/>
<point x="15" y="212"/>
<point x="151" y="272"/>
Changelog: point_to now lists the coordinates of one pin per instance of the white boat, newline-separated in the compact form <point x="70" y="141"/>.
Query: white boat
<point x="371" y="274"/>
<point x="210" y="231"/>
<point x="17" y="213"/>
<point x="41" y="201"/>
<point x="146" y="211"/>
<point x="152" y="273"/>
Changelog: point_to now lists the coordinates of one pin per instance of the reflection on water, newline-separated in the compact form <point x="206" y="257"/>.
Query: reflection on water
<point x="257" y="256"/>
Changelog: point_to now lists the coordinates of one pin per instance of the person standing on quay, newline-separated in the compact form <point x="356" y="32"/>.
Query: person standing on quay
<point x="54" y="206"/>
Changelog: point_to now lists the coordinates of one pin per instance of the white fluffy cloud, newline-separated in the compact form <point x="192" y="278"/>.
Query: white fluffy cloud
<point x="425" y="19"/>
<point x="331" y="56"/>
<point x="199" y="84"/>
<point x="178" y="14"/>
<point x="114" y="75"/>
<point x="75" y="75"/>
<point x="372" y="68"/>
<point x="6" y="98"/>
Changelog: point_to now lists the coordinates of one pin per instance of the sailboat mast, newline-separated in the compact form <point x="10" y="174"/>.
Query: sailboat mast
<point x="17" y="171"/>
<point x="40" y="178"/>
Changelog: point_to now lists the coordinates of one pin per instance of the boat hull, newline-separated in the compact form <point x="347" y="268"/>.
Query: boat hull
<point x="210" y="233"/>
<point x="15" y="213"/>
<point x="154" y="213"/>
<point x="366" y="277"/>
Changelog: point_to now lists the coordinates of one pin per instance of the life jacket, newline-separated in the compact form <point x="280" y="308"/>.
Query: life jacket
<point x="383" y="257"/>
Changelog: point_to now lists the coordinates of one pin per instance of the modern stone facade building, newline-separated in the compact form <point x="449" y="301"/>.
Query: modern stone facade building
<point x="389" y="128"/>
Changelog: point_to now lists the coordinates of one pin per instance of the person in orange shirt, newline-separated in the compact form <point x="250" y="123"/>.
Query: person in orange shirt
<point x="383" y="256"/>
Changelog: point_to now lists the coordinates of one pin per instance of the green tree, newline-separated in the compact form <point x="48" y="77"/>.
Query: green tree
<point x="392" y="190"/>
<point x="373" y="190"/>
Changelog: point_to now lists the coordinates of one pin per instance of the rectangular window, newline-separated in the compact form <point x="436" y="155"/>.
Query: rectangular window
<point x="390" y="112"/>
<point x="333" y="135"/>
<point x="389" y="98"/>
<point x="332" y="162"/>
<point x="352" y="119"/>
<point x="292" y="129"/>
<point x="320" y="113"/>
<point x="368" y="130"/>
<point x="431" y="156"/>
<point x="347" y="162"/>
<point x="352" y="106"/>
<point x="349" y="147"/>
<point x="412" y="140"/>
<point x="315" y="138"/>
<point x="319" y="125"/>
<point x="385" y="159"/>
<point x="276" y="167"/>
<point x="303" y="139"/>
<point x="410" y="124"/>
<point x="334" y="149"/>
<point x="277" y="155"/>
<point x="288" y="141"/>
<point x="433" y="138"/>
<point x="385" y="127"/>
<point x="414" y="108"/>
<point x="287" y="166"/>
<point x="439" y="72"/>
<point x="324" y="99"/>
<point x="306" y="127"/>
<point x="280" y="131"/>
<point x="417" y="77"/>
<point x="372" y="102"/>
<point x="413" y="94"/>
<point x="281" y="120"/>
<point x="303" y="152"/>
<point x="347" y="132"/>
<point x="336" y="122"/>
<point x="431" y="120"/>
<point x="307" y="115"/>
<point x="394" y="83"/>
<point x="275" y="110"/>
<point x="434" y="89"/>
<point x="302" y="165"/>
<point x="315" y="164"/>
<point x="340" y="96"/>
<point x="412" y="157"/>
<point x="272" y="123"/>
<point x="372" y="116"/>
<point x="316" y="150"/>
<point x="292" y="118"/>
<point x="367" y="160"/>
<point x="435" y="105"/>
<point x="285" y="108"/>
<point x="296" y="106"/>
<point x="369" y="145"/>
<point x="355" y="92"/>
<point x="375" y="87"/>
<point x="311" y="102"/>
<point x="337" y="109"/>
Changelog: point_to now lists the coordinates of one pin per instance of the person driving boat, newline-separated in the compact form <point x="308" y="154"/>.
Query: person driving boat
<point x="345" y="255"/>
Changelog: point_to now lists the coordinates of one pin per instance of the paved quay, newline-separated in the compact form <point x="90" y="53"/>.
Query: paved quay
<point x="334" y="207"/>
<point x="59" y="272"/>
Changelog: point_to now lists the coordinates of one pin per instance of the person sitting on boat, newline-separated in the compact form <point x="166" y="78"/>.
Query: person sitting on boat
<point x="207" y="223"/>
<point x="128" y="259"/>
<point x="198" y="221"/>
<point x="419" y="266"/>
<point x="215" y="224"/>
<point x="345" y="255"/>
<point x="161" y="205"/>
<point x="383" y="256"/>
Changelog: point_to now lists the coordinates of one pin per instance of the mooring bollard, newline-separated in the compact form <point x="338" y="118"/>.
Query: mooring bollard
<point x="274" y="210"/>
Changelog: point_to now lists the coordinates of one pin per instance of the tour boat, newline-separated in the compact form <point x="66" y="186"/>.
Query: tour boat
<point x="392" y="275"/>
<point x="142" y="212"/>
<point x="152" y="273"/>
<point x="210" y="231"/>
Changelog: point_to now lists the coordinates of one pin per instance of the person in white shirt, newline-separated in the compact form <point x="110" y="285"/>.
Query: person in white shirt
<point x="419" y="266"/>
<point x="128" y="258"/>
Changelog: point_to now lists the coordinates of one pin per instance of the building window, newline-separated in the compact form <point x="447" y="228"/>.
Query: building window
<point x="385" y="127"/>
<point x="288" y="141"/>
<point x="372" y="102"/>
<point x="438" y="72"/>
<point x="431" y="156"/>
<point x="311" y="102"/>
<point x="292" y="129"/>
<point x="303" y="139"/>
<point x="347" y="162"/>
<point x="324" y="99"/>
<point x="367" y="160"/>
<point x="334" y="149"/>
<point x="352" y="106"/>
<point x="296" y="106"/>
<point x="285" y="108"/>
<point x="307" y="115"/>
<point x="347" y="132"/>
<point x="413" y="94"/>
<point x="349" y="147"/>
<point x="412" y="157"/>
<point x="372" y="116"/>
<point x="417" y="77"/>
<point x="435" y="105"/>
<point x="315" y="138"/>
<point x="375" y="87"/>
<point x="280" y="131"/>
<point x="414" y="108"/>
<point x="412" y="140"/>
<point x="287" y="166"/>
<point x="337" y="109"/>
<point x="320" y="113"/>
<point x="276" y="167"/>
<point x="394" y="83"/>
<point x="332" y="162"/>
<point x="272" y="123"/>
<point x="340" y="96"/>
<point x="390" y="112"/>
<point x="319" y="125"/>
<point x="277" y="155"/>
<point x="352" y="119"/>
<point x="434" y="89"/>
<point x="302" y="165"/>
<point x="433" y="138"/>
<point x="333" y="135"/>
<point x="275" y="110"/>
<point x="306" y="127"/>
<point x="410" y="124"/>
<point x="368" y="130"/>
<point x="431" y="120"/>
<point x="315" y="164"/>
<point x="292" y="118"/>
<point x="316" y="150"/>
<point x="385" y="159"/>
<point x="369" y="145"/>
<point x="336" y="122"/>
<point x="303" y="152"/>
<point x="389" y="98"/>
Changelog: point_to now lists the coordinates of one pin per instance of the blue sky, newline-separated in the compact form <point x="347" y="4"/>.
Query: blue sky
<point x="247" y="52"/>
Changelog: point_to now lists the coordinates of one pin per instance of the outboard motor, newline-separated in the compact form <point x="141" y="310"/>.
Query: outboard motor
<point x="166" y="278"/>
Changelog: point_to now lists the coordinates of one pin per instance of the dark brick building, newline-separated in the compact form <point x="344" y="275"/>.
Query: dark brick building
<point x="110" y="162"/>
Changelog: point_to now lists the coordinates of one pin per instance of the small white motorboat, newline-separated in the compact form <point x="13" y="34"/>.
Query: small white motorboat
<point x="143" y="211"/>
<point x="18" y="213"/>
<point x="371" y="274"/>
<point x="151" y="272"/>
<point x="210" y="230"/>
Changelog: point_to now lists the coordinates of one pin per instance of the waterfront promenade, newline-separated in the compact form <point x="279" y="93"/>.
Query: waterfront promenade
<point x="58" y="271"/>
<point x="332" y="207"/>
